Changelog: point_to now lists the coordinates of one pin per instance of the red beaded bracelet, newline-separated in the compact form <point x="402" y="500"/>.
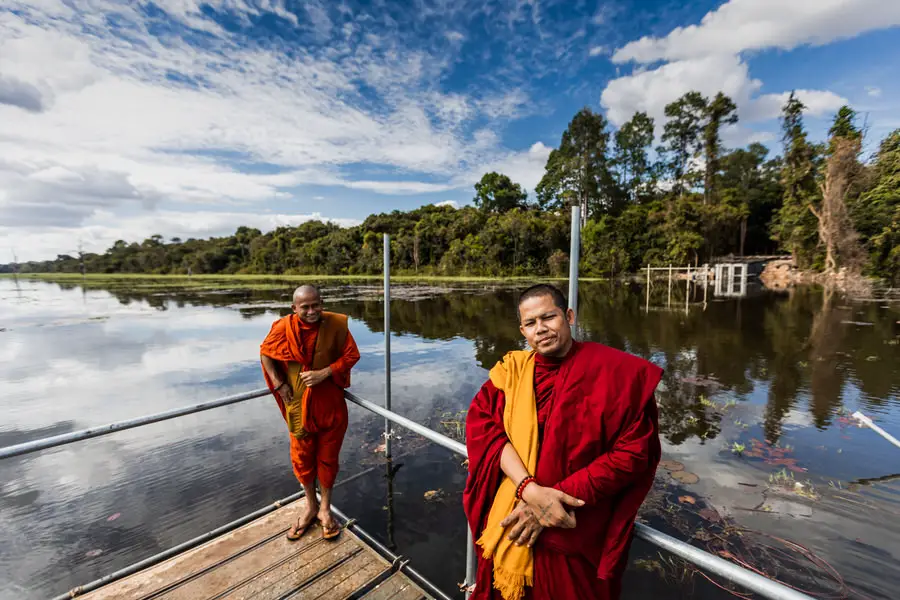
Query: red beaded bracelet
<point x="521" y="488"/>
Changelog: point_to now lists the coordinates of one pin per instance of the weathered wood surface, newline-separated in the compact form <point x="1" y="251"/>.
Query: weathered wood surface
<point x="258" y="562"/>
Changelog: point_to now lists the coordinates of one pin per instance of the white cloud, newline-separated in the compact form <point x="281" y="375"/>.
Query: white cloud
<point x="709" y="57"/>
<point x="450" y="203"/>
<point x="598" y="51"/>
<point x="741" y="25"/>
<point x="525" y="168"/>
<point x="873" y="91"/>
<point x="128" y="120"/>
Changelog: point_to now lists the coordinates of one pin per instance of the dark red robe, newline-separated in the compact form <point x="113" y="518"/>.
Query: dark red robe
<point x="599" y="442"/>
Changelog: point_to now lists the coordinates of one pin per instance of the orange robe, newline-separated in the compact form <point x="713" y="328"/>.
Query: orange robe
<point x="317" y="418"/>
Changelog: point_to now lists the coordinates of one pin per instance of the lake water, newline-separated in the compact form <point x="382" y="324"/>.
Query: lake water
<point x="755" y="404"/>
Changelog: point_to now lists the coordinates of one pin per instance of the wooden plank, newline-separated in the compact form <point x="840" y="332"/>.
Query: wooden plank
<point x="291" y="575"/>
<point x="342" y="581"/>
<point x="192" y="562"/>
<point x="388" y="588"/>
<point x="244" y="567"/>
<point x="396" y="587"/>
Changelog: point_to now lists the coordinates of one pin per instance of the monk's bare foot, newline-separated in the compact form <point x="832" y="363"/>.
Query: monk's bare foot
<point x="330" y="527"/>
<point x="303" y="523"/>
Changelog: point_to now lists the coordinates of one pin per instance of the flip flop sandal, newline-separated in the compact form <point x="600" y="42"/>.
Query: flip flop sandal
<point x="299" y="531"/>
<point x="330" y="534"/>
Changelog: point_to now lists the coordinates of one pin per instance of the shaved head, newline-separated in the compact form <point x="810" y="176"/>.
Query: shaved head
<point x="307" y="303"/>
<point x="307" y="290"/>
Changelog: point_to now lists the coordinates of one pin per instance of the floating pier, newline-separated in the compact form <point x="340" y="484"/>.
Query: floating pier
<point x="257" y="561"/>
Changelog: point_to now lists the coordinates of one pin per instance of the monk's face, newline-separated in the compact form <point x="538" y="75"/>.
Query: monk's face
<point x="308" y="306"/>
<point x="546" y="327"/>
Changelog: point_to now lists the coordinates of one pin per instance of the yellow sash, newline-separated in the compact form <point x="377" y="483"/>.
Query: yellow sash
<point x="513" y="565"/>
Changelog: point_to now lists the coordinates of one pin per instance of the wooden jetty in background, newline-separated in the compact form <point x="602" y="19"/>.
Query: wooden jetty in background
<point x="257" y="561"/>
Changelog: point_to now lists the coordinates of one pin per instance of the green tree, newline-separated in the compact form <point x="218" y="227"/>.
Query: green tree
<point x="750" y="185"/>
<point x="795" y="228"/>
<point x="719" y="112"/>
<point x="681" y="138"/>
<point x="632" y="165"/>
<point x="498" y="194"/>
<point x="876" y="213"/>
<point x="578" y="172"/>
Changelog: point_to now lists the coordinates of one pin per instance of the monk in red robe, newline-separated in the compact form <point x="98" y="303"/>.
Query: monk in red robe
<point x="306" y="361"/>
<point x="563" y="445"/>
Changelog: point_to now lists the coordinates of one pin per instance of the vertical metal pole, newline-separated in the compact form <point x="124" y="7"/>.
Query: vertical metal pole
<point x="670" y="285"/>
<point x="687" y="290"/>
<point x="705" y="284"/>
<point x="471" y="561"/>
<point x="387" y="341"/>
<point x="647" y="309"/>
<point x="744" y="280"/>
<point x="574" y="258"/>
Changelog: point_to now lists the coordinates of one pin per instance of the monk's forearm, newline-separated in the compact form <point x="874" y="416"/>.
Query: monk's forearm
<point x="511" y="464"/>
<point x="272" y="370"/>
<point x="609" y="474"/>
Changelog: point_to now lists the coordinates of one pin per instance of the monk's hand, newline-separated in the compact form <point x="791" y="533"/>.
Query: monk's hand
<point x="523" y="524"/>
<point x="552" y="507"/>
<point x="314" y="378"/>
<point x="285" y="393"/>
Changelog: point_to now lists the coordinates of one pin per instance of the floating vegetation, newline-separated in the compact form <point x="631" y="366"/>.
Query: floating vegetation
<point x="685" y="477"/>
<point x="773" y="455"/>
<point x="773" y="557"/>
<point x="434" y="495"/>
<point x="738" y="448"/>
<point x="784" y="482"/>
<point x="453" y="425"/>
<point x="671" y="465"/>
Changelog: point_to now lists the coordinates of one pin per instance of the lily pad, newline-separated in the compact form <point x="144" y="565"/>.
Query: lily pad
<point x="685" y="477"/>
<point x="671" y="465"/>
<point x="710" y="515"/>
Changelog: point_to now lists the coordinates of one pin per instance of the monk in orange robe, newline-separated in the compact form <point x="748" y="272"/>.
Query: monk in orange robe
<point x="306" y="360"/>
<point x="563" y="444"/>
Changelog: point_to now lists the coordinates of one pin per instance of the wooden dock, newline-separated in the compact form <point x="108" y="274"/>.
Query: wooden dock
<point x="257" y="561"/>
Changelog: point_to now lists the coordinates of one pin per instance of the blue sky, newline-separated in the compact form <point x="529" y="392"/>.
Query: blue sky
<point x="186" y="118"/>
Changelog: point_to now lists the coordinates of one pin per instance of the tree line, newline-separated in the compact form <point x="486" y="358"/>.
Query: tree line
<point x="686" y="202"/>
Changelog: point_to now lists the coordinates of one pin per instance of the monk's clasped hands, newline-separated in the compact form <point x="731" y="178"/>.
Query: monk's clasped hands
<point x="524" y="525"/>
<point x="551" y="506"/>
<point x="541" y="507"/>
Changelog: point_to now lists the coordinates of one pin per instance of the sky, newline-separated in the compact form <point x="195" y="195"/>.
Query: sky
<point x="120" y="120"/>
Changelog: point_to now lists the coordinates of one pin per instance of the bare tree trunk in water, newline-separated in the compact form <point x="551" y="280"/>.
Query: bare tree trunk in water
<point x="836" y="231"/>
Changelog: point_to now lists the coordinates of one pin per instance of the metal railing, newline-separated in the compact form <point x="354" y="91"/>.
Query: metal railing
<point x="708" y="562"/>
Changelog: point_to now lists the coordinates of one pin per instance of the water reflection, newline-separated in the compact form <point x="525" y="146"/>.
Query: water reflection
<point x="779" y="367"/>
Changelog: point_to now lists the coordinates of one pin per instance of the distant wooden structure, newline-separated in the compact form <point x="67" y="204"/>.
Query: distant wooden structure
<point x="257" y="561"/>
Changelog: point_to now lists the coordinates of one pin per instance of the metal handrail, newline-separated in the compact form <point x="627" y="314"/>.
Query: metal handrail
<point x="754" y="582"/>
<point x="92" y="432"/>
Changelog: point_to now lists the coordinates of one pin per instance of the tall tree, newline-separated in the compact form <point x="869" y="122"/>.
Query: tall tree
<point x="681" y="137"/>
<point x="750" y="185"/>
<point x="795" y="227"/>
<point x="842" y="171"/>
<point x="578" y="172"/>
<point x="630" y="158"/>
<point x="496" y="193"/>
<point x="876" y="214"/>
<point x="719" y="112"/>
